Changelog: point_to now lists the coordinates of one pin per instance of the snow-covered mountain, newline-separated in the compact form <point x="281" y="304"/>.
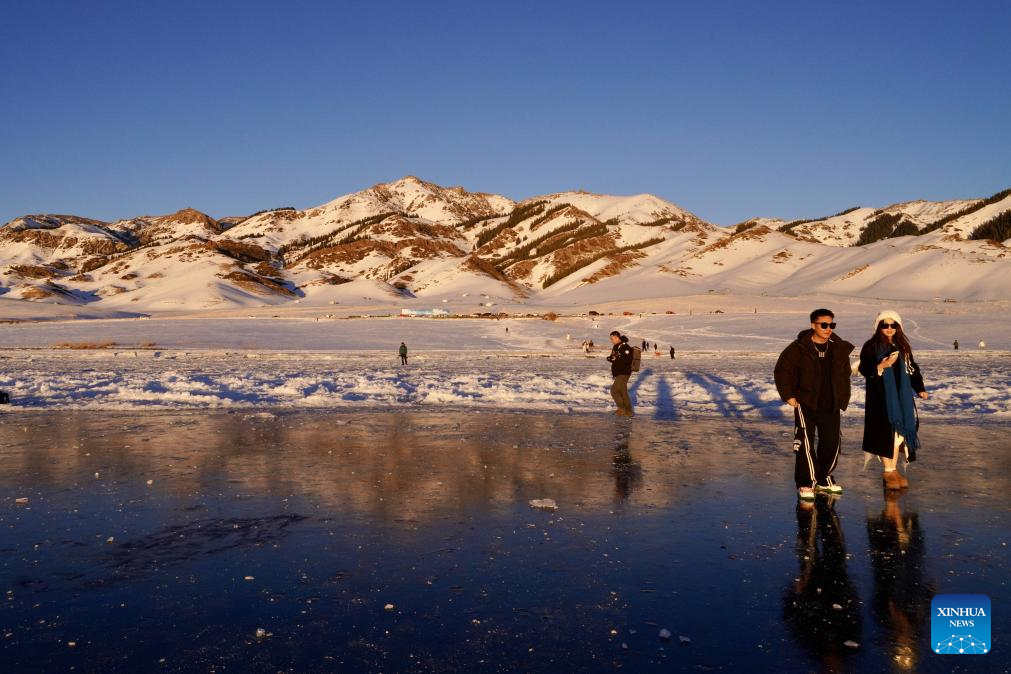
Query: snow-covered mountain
<point x="959" y="218"/>
<point x="414" y="241"/>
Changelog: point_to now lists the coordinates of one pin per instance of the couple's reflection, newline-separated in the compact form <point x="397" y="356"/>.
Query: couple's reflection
<point x="626" y="471"/>
<point x="901" y="597"/>
<point x="820" y="606"/>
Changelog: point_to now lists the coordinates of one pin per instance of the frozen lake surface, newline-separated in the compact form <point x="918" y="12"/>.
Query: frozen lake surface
<point x="403" y="541"/>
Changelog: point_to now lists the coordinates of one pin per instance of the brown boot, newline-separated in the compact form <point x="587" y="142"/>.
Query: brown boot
<point x="891" y="479"/>
<point x="903" y="482"/>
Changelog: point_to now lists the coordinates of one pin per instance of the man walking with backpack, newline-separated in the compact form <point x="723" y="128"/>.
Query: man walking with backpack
<point x="813" y="377"/>
<point x="621" y="359"/>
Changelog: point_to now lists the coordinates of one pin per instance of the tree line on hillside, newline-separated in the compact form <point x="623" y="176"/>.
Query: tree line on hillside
<point x="797" y="223"/>
<point x="891" y="225"/>
<point x="561" y="237"/>
<point x="471" y="222"/>
<point x="308" y="244"/>
<point x="937" y="224"/>
<point x="519" y="214"/>
<point x="884" y="226"/>
<point x="997" y="228"/>
<point x="562" y="272"/>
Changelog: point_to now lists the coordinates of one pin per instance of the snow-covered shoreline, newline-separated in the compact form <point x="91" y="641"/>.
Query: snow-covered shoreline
<point x="704" y="383"/>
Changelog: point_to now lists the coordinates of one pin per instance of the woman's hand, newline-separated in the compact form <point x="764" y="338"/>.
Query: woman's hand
<point x="923" y="394"/>
<point x="888" y="360"/>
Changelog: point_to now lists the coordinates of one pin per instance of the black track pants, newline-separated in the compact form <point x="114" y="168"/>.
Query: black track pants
<point x="814" y="466"/>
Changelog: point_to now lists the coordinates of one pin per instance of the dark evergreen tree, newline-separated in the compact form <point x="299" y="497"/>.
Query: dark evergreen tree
<point x="997" y="228"/>
<point x="879" y="228"/>
<point x="904" y="228"/>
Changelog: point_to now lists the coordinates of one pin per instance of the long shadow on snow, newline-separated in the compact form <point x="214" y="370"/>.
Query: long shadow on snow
<point x="716" y="387"/>
<point x="634" y="388"/>
<point x="666" y="408"/>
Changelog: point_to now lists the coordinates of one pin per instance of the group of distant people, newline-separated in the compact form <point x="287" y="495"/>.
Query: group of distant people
<point x="812" y="376"/>
<point x="656" y="348"/>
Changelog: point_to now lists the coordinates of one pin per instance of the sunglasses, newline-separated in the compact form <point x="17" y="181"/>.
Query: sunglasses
<point x="887" y="326"/>
<point x="826" y="326"/>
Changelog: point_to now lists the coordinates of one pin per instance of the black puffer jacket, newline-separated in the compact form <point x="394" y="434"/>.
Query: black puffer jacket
<point x="798" y="372"/>
<point x="621" y="359"/>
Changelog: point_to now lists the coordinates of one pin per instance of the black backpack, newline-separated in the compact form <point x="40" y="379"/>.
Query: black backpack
<point x="636" y="358"/>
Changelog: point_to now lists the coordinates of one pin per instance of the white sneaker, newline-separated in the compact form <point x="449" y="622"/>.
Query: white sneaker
<point x="830" y="488"/>
<point x="805" y="493"/>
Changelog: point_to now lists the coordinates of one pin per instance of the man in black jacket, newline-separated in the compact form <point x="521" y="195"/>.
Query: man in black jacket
<point x="621" y="370"/>
<point x="813" y="377"/>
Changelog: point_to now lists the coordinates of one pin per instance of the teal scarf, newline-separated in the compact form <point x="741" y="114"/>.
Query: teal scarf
<point x="899" y="399"/>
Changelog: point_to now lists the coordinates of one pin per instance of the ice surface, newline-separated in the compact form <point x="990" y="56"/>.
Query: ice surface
<point x="308" y="525"/>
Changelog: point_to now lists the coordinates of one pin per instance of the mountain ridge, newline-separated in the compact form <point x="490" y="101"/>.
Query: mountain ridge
<point x="413" y="240"/>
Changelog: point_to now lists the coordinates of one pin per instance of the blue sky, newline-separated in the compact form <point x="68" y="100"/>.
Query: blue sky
<point x="729" y="109"/>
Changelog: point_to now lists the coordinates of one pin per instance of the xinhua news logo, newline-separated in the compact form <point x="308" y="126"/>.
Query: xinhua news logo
<point x="960" y="624"/>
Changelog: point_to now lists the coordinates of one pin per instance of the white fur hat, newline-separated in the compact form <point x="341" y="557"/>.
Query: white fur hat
<point x="887" y="313"/>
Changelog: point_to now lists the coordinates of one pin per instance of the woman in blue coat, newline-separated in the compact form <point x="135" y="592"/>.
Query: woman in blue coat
<point x="893" y="379"/>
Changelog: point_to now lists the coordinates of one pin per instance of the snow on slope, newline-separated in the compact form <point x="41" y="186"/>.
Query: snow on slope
<point x="635" y="209"/>
<point x="764" y="261"/>
<point x="43" y="239"/>
<point x="845" y="228"/>
<point x="923" y="213"/>
<point x="771" y="223"/>
<point x="838" y="230"/>
<point x="964" y="227"/>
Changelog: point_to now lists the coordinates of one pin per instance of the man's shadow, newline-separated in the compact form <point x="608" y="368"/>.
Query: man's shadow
<point x="717" y="387"/>
<point x="666" y="407"/>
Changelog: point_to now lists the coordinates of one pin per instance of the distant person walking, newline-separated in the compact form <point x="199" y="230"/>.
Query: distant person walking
<point x="890" y="419"/>
<point x="813" y="377"/>
<point x="403" y="353"/>
<point x="982" y="345"/>
<point x="621" y="370"/>
<point x="955" y="344"/>
<point x="672" y="353"/>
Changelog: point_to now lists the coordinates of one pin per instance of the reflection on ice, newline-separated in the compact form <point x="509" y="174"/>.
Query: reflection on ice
<point x="821" y="605"/>
<point x="901" y="600"/>
<point x="181" y="535"/>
